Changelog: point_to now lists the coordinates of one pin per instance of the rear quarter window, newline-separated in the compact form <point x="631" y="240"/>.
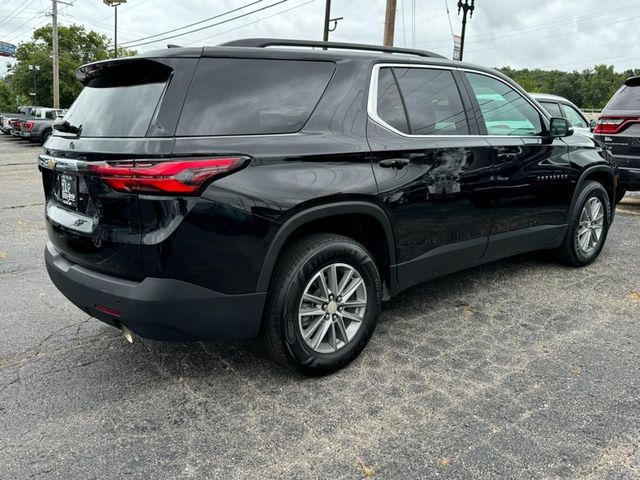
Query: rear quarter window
<point x="232" y="96"/>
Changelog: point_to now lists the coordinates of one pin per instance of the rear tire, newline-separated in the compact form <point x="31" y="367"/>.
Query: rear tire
<point x="588" y="226"/>
<point x="315" y="269"/>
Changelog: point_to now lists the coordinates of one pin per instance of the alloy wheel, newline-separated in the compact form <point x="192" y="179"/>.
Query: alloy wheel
<point x="590" y="226"/>
<point x="332" y="308"/>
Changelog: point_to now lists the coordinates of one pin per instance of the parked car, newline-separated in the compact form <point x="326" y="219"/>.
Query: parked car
<point x="40" y="129"/>
<point x="619" y="129"/>
<point x="558" y="106"/>
<point x="239" y="190"/>
<point x="6" y="118"/>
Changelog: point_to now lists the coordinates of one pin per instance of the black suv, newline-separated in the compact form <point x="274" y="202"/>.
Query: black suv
<point x="619" y="128"/>
<point x="243" y="191"/>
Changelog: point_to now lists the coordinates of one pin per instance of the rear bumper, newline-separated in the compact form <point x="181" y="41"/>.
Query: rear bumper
<point x="629" y="178"/>
<point x="157" y="308"/>
<point x="629" y="171"/>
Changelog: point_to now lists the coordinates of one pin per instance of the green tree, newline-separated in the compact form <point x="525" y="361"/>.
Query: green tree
<point x="7" y="98"/>
<point x="590" y="88"/>
<point x="77" y="46"/>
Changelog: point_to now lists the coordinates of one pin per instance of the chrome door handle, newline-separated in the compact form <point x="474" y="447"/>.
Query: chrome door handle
<point x="394" y="162"/>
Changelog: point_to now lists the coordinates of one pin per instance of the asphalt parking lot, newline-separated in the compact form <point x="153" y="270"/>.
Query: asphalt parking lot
<point x="518" y="369"/>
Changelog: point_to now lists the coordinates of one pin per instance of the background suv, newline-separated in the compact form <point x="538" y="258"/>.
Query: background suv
<point x="619" y="128"/>
<point x="240" y="190"/>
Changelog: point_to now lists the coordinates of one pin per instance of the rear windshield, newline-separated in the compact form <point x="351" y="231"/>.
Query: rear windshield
<point x="119" y="101"/>
<point x="627" y="98"/>
<point x="233" y="96"/>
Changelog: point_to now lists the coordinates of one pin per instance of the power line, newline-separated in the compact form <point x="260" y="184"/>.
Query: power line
<point x="596" y="27"/>
<point x="199" y="41"/>
<point x="449" y="16"/>
<point x="195" y="23"/>
<point x="2" y="22"/>
<point x="499" y="35"/>
<point x="208" y="26"/>
<point x="37" y="15"/>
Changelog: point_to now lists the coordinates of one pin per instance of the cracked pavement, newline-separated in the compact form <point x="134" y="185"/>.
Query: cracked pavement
<point x="518" y="369"/>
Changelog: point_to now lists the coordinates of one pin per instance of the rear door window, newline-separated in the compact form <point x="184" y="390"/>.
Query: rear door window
<point x="233" y="96"/>
<point x="433" y="103"/>
<point x="390" y="108"/>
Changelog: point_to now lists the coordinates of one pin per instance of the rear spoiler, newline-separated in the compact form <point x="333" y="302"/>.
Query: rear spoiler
<point x="123" y="71"/>
<point x="632" y="82"/>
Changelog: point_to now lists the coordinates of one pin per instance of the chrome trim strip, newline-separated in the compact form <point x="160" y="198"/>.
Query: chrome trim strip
<point x="56" y="163"/>
<point x="372" y="100"/>
<point x="71" y="220"/>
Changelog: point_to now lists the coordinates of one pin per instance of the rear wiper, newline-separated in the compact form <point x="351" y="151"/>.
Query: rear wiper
<point x="65" y="126"/>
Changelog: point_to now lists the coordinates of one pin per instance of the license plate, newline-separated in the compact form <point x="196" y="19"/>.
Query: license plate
<point x="69" y="190"/>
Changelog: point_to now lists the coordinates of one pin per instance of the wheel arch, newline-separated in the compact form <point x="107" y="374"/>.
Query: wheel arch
<point x="602" y="174"/>
<point x="345" y="214"/>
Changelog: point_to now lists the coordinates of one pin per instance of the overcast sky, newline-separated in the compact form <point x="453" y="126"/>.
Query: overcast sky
<point x="549" y="34"/>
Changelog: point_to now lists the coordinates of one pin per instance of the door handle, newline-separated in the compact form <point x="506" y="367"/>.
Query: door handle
<point x="394" y="162"/>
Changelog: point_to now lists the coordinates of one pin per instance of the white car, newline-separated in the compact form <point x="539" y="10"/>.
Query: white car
<point x="558" y="106"/>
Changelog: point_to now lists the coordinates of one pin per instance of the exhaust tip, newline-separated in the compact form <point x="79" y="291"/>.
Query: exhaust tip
<point x="128" y="334"/>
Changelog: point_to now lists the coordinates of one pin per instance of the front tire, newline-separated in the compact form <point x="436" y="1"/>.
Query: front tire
<point x="588" y="226"/>
<point x="323" y="304"/>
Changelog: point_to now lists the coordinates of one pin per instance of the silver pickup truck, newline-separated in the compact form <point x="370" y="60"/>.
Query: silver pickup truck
<point x="7" y="119"/>
<point x="39" y="127"/>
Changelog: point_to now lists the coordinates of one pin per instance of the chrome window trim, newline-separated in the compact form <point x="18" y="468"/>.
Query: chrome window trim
<point x="372" y="100"/>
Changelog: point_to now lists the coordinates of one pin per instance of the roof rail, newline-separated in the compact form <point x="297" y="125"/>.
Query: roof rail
<point x="280" y="42"/>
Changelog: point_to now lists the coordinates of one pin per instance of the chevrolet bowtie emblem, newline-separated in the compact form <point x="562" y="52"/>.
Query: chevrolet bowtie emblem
<point x="51" y="164"/>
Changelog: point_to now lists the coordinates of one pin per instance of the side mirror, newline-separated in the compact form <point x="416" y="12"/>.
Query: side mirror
<point x="560" y="127"/>
<point x="592" y="124"/>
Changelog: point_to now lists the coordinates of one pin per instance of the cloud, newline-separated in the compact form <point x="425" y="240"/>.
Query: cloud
<point x="567" y="35"/>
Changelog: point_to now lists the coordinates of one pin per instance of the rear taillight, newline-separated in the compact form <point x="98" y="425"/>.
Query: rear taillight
<point x="183" y="177"/>
<point x="18" y="123"/>
<point x="614" y="125"/>
<point x="29" y="125"/>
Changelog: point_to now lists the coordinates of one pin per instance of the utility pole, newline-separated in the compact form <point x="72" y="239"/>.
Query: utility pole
<point x="56" y="54"/>
<point x="389" y="23"/>
<point x="327" y="22"/>
<point x="115" y="32"/>
<point x="467" y="8"/>
<point x="35" y="69"/>
<point x="327" y="15"/>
